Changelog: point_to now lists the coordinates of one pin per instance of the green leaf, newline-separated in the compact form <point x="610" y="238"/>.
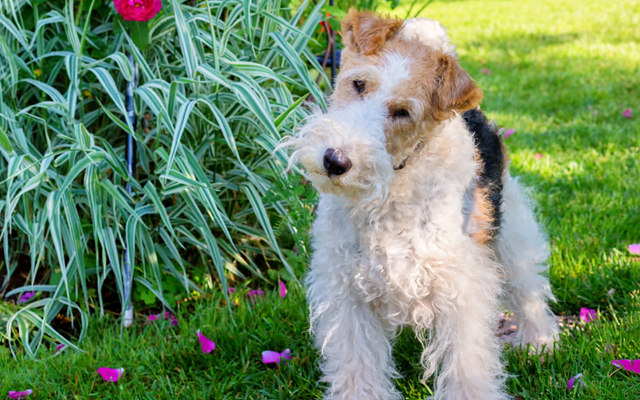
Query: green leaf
<point x="139" y="33"/>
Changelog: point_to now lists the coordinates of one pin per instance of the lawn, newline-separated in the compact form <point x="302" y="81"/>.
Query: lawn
<point x="561" y="74"/>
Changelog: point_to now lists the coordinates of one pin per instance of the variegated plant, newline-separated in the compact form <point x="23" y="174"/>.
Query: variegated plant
<point x="219" y="85"/>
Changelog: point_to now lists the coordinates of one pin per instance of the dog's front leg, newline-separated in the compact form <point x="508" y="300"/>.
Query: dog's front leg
<point x="356" y="352"/>
<point x="355" y="348"/>
<point x="464" y="348"/>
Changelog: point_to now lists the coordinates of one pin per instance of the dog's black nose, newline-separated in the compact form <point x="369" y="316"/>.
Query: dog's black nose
<point x="335" y="162"/>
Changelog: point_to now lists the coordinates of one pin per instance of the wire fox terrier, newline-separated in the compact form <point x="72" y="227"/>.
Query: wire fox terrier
<point x="419" y="222"/>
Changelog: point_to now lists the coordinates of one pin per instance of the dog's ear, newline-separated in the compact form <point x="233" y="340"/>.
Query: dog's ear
<point x="455" y="91"/>
<point x="365" y="32"/>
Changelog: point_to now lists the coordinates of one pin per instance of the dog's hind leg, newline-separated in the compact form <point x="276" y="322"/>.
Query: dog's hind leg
<point x="522" y="249"/>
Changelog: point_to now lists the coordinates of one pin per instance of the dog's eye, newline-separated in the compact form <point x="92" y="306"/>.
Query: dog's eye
<point x="359" y="85"/>
<point x="400" y="113"/>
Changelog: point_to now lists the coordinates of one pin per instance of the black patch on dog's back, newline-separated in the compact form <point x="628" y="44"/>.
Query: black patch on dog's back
<point x="491" y="151"/>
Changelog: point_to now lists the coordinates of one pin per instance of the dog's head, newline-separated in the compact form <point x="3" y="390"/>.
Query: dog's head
<point x="393" y="89"/>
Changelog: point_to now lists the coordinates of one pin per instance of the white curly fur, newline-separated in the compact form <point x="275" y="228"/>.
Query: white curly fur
<point x="392" y="248"/>
<point x="429" y="32"/>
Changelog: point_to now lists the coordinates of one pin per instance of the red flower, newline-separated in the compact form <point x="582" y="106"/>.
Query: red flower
<point x="137" y="10"/>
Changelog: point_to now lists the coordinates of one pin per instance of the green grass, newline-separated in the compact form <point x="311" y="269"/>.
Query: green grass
<point x="553" y="64"/>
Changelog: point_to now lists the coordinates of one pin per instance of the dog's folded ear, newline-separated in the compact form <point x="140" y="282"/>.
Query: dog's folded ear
<point x="366" y="33"/>
<point x="456" y="90"/>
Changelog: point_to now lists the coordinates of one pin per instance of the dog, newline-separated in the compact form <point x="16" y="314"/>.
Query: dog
<point x="419" y="223"/>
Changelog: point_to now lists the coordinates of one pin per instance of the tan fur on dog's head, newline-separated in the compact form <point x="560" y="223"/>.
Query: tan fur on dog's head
<point x="449" y="88"/>
<point x="392" y="92"/>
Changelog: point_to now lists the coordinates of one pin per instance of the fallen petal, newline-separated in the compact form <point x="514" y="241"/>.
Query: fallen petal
<point x="167" y="314"/>
<point x="110" y="374"/>
<point x="634" y="248"/>
<point x="26" y="297"/>
<point x="230" y="291"/>
<point x="255" y="293"/>
<point x="572" y="381"/>
<point x="537" y="155"/>
<point x="207" y="345"/>
<point x="286" y="354"/>
<point x="273" y="357"/>
<point x="627" y="113"/>
<point x="20" y="395"/>
<point x="509" y="132"/>
<point x="628" y="365"/>
<point x="59" y="348"/>
<point x="283" y="290"/>
<point x="588" y="315"/>
<point x="174" y="321"/>
<point x="152" y="318"/>
<point x="610" y="292"/>
<point x="486" y="71"/>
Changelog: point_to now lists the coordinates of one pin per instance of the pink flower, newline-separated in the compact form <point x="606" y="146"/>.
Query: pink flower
<point x="537" y="155"/>
<point x="588" y="315"/>
<point x="572" y="381"/>
<point x="207" y="345"/>
<point x="295" y="250"/>
<point x="634" y="248"/>
<point x="152" y="318"/>
<point x="283" y="290"/>
<point x="608" y="347"/>
<point x="273" y="357"/>
<point x="611" y="292"/>
<point x="627" y="113"/>
<point x="174" y="321"/>
<point x="167" y="314"/>
<point x="628" y="365"/>
<point x="509" y="132"/>
<point x="59" y="348"/>
<point x="20" y="395"/>
<point x="26" y="297"/>
<point x="137" y="10"/>
<point x="486" y="71"/>
<point x="255" y="293"/>
<point x="230" y="291"/>
<point x="110" y="374"/>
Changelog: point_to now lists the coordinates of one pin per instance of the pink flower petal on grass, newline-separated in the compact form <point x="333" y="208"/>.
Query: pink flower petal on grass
<point x="634" y="248"/>
<point x="167" y="314"/>
<point x="486" y="71"/>
<point x="633" y="366"/>
<point x="255" y="293"/>
<point x="283" y="290"/>
<point x="509" y="132"/>
<point x="230" y="291"/>
<point x="207" y="345"/>
<point x="110" y="374"/>
<point x="538" y="155"/>
<point x="26" y="297"/>
<point x="572" y="381"/>
<point x="152" y="318"/>
<point x="20" y="395"/>
<point x="588" y="315"/>
<point x="174" y="321"/>
<point x="273" y="357"/>
<point x="627" y="113"/>
<point x="59" y="348"/>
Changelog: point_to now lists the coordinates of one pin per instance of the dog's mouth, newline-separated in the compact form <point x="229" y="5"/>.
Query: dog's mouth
<point x="406" y="159"/>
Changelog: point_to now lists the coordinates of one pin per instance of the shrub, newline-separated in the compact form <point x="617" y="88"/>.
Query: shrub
<point x="219" y="84"/>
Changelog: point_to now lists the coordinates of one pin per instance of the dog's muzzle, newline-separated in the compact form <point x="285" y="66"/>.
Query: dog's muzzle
<point x="335" y="162"/>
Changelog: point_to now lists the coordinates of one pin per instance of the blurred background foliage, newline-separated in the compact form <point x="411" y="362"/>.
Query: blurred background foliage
<point x="219" y="84"/>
